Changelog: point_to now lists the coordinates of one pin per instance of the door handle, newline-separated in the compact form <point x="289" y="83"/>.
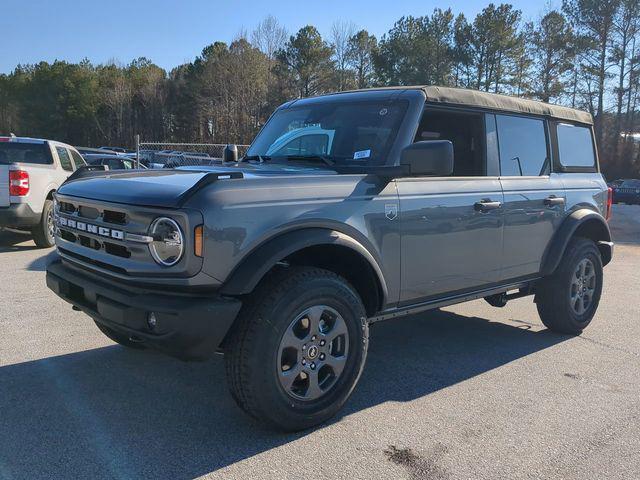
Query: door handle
<point x="486" y="205"/>
<point x="553" y="200"/>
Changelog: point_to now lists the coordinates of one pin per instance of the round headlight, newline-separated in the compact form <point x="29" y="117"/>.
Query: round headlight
<point x="168" y="242"/>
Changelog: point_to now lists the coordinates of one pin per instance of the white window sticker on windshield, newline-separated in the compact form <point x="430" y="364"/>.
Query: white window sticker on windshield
<point x="362" y="154"/>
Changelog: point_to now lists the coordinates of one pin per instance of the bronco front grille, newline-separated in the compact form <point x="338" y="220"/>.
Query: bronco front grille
<point x="95" y="228"/>
<point x="119" y="218"/>
<point x="115" y="237"/>
<point x="95" y="244"/>
<point x="92" y="213"/>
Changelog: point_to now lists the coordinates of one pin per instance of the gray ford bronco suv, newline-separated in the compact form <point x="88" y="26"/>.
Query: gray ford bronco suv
<point x="347" y="209"/>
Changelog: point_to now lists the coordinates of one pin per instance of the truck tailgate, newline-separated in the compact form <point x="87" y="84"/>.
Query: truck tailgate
<point x="4" y="185"/>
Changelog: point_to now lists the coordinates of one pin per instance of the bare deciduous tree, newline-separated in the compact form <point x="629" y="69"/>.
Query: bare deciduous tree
<point x="341" y="32"/>
<point x="269" y="36"/>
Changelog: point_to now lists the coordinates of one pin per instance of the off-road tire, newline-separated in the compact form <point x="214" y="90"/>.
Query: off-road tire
<point x="553" y="295"/>
<point x="119" y="338"/>
<point x="251" y="348"/>
<point x="42" y="234"/>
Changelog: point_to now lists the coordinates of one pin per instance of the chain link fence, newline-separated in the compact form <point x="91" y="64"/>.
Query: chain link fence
<point x="171" y="155"/>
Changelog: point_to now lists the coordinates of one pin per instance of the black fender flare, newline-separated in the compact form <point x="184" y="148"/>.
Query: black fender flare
<point x="588" y="221"/>
<point x="246" y="276"/>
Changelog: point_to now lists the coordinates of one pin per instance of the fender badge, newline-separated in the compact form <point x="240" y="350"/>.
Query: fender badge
<point x="391" y="211"/>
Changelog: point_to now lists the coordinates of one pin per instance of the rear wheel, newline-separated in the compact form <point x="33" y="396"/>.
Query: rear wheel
<point x="568" y="299"/>
<point x="297" y="349"/>
<point x="119" y="337"/>
<point x="43" y="232"/>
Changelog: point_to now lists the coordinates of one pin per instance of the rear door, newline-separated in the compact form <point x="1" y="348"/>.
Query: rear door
<point x="534" y="197"/>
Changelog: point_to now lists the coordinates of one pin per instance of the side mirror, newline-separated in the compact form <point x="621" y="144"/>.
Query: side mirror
<point x="432" y="157"/>
<point x="230" y="153"/>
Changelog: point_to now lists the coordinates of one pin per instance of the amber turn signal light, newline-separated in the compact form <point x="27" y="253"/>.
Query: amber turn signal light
<point x="197" y="243"/>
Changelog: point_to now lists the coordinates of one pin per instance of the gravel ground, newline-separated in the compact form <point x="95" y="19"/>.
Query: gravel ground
<point x="466" y="392"/>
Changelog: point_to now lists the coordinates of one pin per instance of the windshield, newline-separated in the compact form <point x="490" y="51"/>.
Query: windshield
<point x="351" y="133"/>
<point x="14" y="152"/>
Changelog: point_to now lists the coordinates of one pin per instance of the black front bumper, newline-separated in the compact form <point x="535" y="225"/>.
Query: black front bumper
<point x="189" y="326"/>
<point x="18" y="215"/>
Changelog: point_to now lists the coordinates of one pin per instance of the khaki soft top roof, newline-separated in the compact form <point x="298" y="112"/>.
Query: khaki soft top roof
<point x="493" y="101"/>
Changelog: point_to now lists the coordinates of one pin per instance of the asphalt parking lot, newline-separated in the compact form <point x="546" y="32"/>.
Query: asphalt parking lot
<point x="467" y="392"/>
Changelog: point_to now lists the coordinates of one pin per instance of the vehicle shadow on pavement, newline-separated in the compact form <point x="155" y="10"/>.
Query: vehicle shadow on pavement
<point x="40" y="263"/>
<point x="11" y="240"/>
<point x="116" y="413"/>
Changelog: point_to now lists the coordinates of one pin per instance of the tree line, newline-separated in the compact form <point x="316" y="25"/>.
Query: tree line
<point x="585" y="54"/>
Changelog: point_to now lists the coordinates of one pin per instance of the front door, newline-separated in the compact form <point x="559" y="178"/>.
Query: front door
<point x="451" y="235"/>
<point x="451" y="227"/>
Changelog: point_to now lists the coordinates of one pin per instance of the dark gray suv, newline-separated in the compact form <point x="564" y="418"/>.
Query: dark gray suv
<point x="347" y="209"/>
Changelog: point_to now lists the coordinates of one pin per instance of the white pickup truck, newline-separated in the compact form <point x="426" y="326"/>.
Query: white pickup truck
<point x="31" y="170"/>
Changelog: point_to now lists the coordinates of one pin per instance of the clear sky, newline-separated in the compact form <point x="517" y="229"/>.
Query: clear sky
<point x="174" y="32"/>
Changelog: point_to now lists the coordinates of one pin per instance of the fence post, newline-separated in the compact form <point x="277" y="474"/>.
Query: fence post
<point x="137" y="150"/>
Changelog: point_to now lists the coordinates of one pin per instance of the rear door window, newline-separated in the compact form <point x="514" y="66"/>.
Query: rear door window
<point x="65" y="159"/>
<point x="34" y="153"/>
<point x="575" y="146"/>
<point x="523" y="146"/>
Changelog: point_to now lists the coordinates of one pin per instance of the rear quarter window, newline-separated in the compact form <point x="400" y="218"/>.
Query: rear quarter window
<point x="65" y="159"/>
<point x="575" y="146"/>
<point x="34" y="153"/>
<point x="77" y="159"/>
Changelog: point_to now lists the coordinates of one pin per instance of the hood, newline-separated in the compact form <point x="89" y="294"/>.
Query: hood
<point x="168" y="188"/>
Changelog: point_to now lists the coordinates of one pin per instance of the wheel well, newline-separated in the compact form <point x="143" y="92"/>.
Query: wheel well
<point x="598" y="232"/>
<point x="50" y="195"/>
<point x="594" y="230"/>
<point x="585" y="224"/>
<point x="348" y="264"/>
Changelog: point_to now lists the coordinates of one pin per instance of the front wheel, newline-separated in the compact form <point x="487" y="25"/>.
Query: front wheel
<point x="567" y="300"/>
<point x="297" y="349"/>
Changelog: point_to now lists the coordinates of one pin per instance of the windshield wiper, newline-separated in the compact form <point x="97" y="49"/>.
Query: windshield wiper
<point x="313" y="158"/>
<point x="310" y="158"/>
<point x="260" y="158"/>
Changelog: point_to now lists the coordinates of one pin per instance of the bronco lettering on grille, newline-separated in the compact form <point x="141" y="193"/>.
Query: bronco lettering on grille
<point x="87" y="227"/>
